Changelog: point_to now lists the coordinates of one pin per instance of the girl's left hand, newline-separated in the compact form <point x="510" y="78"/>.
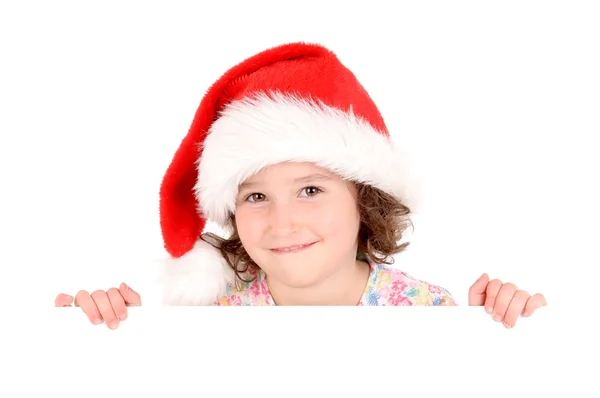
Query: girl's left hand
<point x="503" y="301"/>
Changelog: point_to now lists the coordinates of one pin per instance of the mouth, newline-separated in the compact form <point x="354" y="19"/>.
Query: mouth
<point x="292" y="249"/>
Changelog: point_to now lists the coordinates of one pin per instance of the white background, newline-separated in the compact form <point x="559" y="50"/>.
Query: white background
<point x="498" y="102"/>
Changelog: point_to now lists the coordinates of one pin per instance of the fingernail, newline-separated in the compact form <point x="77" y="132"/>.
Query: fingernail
<point x="526" y="314"/>
<point x="497" y="318"/>
<point x="113" y="325"/>
<point x="122" y="317"/>
<point x="507" y="325"/>
<point x="488" y="310"/>
<point x="97" y="321"/>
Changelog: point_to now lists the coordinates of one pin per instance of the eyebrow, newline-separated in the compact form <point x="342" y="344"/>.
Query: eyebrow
<point x="308" y="178"/>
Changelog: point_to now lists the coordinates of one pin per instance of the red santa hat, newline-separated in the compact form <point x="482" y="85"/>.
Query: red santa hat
<point x="294" y="102"/>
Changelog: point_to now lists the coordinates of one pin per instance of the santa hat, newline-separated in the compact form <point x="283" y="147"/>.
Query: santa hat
<point x="294" y="102"/>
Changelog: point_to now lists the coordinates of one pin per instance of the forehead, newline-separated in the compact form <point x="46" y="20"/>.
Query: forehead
<point x="290" y="171"/>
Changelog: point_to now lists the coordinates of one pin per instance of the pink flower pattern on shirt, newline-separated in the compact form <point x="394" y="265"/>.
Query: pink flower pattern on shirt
<point x="386" y="286"/>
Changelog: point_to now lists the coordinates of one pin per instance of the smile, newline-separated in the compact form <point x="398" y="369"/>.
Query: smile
<point x="292" y="249"/>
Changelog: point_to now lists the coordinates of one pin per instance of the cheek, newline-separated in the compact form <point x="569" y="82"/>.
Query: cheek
<point x="247" y="226"/>
<point x="338" y="222"/>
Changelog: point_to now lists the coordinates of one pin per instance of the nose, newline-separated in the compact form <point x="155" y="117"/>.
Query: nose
<point x="282" y="219"/>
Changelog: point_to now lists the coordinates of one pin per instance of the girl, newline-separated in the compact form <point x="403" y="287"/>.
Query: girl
<point x="289" y="155"/>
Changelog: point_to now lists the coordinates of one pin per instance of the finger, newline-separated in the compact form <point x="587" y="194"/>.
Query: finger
<point x="117" y="302"/>
<point x="63" y="300"/>
<point x="132" y="298"/>
<point x="515" y="307"/>
<point x="477" y="290"/>
<point x="84" y="300"/>
<point x="536" y="301"/>
<point x="105" y="307"/>
<point x="490" y="294"/>
<point x="503" y="299"/>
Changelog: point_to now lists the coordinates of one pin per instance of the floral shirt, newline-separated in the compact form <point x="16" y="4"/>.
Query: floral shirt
<point x="385" y="287"/>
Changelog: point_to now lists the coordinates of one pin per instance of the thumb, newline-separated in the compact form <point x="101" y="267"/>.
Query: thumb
<point x="477" y="290"/>
<point x="63" y="300"/>
<point x="131" y="297"/>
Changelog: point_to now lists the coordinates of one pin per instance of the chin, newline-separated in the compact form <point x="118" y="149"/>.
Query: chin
<point x="300" y="281"/>
<point x="296" y="274"/>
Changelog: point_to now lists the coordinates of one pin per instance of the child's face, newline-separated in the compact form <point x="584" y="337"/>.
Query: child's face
<point x="291" y="204"/>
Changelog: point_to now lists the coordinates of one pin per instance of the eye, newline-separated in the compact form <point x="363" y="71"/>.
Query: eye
<point x="257" y="197"/>
<point x="311" y="191"/>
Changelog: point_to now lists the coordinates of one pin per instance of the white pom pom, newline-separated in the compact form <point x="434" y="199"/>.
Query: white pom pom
<point x="200" y="277"/>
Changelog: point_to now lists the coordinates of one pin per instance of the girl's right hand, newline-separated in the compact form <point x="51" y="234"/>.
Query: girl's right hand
<point x="109" y="307"/>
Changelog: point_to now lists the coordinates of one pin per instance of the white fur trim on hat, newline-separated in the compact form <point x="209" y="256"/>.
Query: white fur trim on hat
<point x="200" y="277"/>
<point x="253" y="133"/>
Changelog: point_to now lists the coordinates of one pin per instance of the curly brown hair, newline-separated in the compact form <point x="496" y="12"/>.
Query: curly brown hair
<point x="383" y="221"/>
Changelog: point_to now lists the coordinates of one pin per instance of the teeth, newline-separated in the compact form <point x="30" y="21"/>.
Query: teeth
<point x="287" y="249"/>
